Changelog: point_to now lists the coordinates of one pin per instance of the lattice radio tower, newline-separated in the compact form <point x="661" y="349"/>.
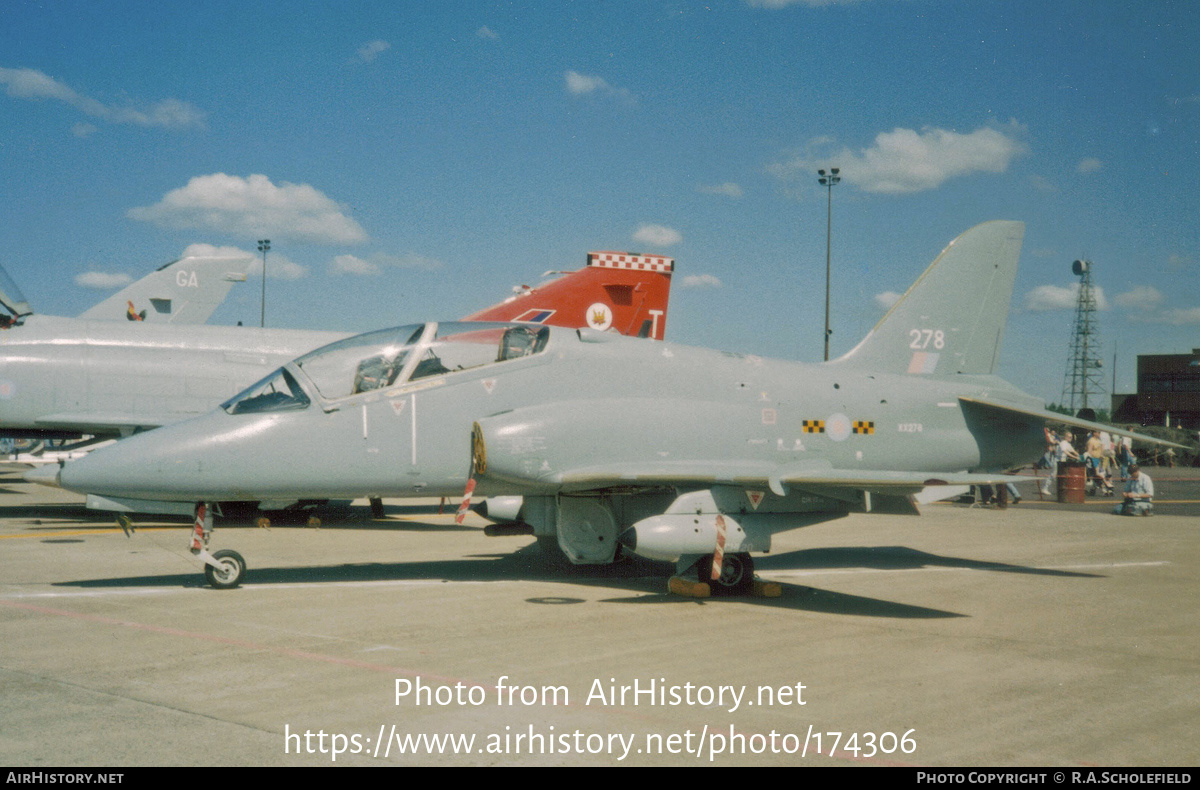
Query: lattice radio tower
<point x="1084" y="379"/>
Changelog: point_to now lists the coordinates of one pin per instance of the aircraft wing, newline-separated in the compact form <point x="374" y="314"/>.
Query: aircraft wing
<point x="812" y="477"/>
<point x="1046" y="416"/>
<point x="105" y="422"/>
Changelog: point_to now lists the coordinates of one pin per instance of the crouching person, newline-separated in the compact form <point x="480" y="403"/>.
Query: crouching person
<point x="1139" y="491"/>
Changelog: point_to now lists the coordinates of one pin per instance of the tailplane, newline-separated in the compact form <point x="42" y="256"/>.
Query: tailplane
<point x="951" y="321"/>
<point x="186" y="291"/>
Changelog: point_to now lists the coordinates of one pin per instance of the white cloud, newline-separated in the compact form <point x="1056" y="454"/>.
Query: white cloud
<point x="1046" y="298"/>
<point x="486" y="33"/>
<point x="583" y="84"/>
<point x="903" y="160"/>
<point x="887" y="299"/>
<point x="1143" y="297"/>
<point x="253" y="207"/>
<point x="201" y="250"/>
<point x="700" y="281"/>
<point x="166" y="114"/>
<point x="1143" y="303"/>
<point x="729" y="189"/>
<point x="372" y="49"/>
<point x="1182" y="317"/>
<point x="1089" y="165"/>
<point x="657" y="235"/>
<point x="580" y="84"/>
<point x="375" y="264"/>
<point x="1042" y="184"/>
<point x="102" y="281"/>
<point x="351" y="264"/>
<point x="278" y="266"/>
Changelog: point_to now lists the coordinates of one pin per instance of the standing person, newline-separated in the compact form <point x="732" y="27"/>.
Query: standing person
<point x="1109" y="451"/>
<point x="1095" y="462"/>
<point x="1066" y="450"/>
<point x="1050" y="461"/>
<point x="1139" y="493"/>
<point x="1125" y="456"/>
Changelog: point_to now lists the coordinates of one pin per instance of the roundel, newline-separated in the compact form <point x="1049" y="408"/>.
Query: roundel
<point x="599" y="316"/>
<point x="837" y="427"/>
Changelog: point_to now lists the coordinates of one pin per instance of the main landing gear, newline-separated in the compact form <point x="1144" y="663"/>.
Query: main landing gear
<point x="736" y="578"/>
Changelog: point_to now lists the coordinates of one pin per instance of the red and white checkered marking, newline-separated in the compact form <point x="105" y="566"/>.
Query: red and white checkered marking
<point x="629" y="260"/>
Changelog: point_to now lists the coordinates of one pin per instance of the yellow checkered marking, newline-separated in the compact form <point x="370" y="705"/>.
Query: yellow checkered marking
<point x="864" y="426"/>
<point x="814" y="426"/>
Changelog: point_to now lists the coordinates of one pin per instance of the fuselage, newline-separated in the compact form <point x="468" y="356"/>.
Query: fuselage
<point x="580" y="399"/>
<point x="102" y="377"/>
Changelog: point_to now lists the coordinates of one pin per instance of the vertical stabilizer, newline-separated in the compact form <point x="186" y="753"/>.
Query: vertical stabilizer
<point x="186" y="291"/>
<point x="951" y="321"/>
<point x="625" y="292"/>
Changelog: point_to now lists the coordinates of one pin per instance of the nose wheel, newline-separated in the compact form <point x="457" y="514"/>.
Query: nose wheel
<point x="225" y="569"/>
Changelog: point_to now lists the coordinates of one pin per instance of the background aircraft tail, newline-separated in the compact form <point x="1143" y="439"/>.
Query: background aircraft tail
<point x="623" y="291"/>
<point x="951" y="321"/>
<point x="186" y="291"/>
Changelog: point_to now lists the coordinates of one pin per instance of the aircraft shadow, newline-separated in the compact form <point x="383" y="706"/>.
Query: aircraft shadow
<point x="891" y="558"/>
<point x="646" y="580"/>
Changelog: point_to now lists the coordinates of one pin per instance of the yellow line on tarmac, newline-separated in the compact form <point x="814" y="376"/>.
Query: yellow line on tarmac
<point x="107" y="531"/>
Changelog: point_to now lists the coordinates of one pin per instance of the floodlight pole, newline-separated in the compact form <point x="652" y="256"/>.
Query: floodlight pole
<point x="263" y="246"/>
<point x="827" y="180"/>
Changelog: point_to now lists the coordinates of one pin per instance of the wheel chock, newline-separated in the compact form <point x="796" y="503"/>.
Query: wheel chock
<point x="314" y="522"/>
<point x="262" y="522"/>
<point x="767" y="589"/>
<point x="682" y="586"/>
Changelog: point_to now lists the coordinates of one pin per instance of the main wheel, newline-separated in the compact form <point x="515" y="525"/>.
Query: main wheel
<point x="737" y="574"/>
<point x="229" y="574"/>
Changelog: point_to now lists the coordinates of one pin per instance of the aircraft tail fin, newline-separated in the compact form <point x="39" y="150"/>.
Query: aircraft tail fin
<point x="620" y="291"/>
<point x="186" y="291"/>
<point x="951" y="321"/>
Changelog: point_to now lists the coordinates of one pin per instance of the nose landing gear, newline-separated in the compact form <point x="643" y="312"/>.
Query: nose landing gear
<point x="223" y="569"/>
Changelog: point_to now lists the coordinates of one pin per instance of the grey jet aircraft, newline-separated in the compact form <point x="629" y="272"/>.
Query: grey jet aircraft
<point x="55" y="377"/>
<point x="619" y="444"/>
<point x="64" y="378"/>
<point x="184" y="291"/>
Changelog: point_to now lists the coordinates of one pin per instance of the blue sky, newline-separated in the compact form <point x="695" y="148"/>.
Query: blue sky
<point x="416" y="160"/>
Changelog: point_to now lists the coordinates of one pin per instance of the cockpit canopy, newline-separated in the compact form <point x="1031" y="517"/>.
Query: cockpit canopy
<point x="11" y="298"/>
<point x="390" y="358"/>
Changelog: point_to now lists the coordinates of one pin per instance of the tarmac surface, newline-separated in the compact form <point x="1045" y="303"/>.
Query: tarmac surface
<point x="1042" y="634"/>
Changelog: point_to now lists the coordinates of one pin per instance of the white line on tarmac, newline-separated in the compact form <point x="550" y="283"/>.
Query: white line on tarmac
<point x="248" y="588"/>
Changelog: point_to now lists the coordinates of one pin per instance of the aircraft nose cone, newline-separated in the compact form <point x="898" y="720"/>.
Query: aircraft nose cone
<point x="124" y="469"/>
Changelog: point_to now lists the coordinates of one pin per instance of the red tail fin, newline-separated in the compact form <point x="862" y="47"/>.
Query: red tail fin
<point x="622" y="291"/>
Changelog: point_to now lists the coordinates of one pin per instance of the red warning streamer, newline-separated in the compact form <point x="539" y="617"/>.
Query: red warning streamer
<point x="719" y="554"/>
<point x="198" y="527"/>
<point x="466" y="503"/>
